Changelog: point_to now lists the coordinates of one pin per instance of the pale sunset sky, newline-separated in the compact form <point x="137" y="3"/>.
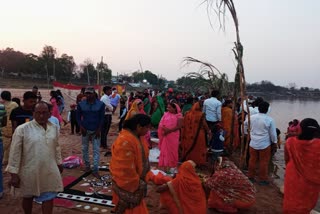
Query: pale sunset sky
<point x="281" y="37"/>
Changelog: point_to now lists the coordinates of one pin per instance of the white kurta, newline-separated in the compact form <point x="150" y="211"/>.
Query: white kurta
<point x="34" y="156"/>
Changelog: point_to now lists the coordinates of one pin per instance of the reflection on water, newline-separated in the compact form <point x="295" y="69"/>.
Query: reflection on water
<point x="285" y="110"/>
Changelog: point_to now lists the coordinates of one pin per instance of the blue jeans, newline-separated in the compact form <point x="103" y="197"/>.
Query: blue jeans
<point x="90" y="135"/>
<point x="1" y="158"/>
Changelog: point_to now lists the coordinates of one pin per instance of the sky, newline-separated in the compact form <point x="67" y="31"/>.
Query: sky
<point x="281" y="39"/>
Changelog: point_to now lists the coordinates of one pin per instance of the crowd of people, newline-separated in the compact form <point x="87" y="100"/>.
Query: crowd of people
<point x="194" y="130"/>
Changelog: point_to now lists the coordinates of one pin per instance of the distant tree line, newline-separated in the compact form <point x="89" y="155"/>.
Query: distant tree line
<point x="48" y="65"/>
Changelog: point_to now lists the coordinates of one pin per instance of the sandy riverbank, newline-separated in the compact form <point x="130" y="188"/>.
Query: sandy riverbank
<point x="269" y="199"/>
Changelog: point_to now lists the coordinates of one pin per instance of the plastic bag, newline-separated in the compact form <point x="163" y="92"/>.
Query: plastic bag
<point x="72" y="162"/>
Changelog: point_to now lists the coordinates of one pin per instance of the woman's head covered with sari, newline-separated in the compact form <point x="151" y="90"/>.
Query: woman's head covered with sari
<point x="309" y="129"/>
<point x="135" y="109"/>
<point x="188" y="188"/>
<point x="173" y="108"/>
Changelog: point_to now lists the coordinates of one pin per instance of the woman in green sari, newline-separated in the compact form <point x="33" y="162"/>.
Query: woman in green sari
<point x="158" y="111"/>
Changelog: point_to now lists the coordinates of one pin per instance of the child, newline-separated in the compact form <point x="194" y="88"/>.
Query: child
<point x="72" y="118"/>
<point x="123" y="113"/>
<point x="217" y="142"/>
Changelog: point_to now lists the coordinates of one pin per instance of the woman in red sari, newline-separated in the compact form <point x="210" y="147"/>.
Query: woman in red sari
<point x="302" y="180"/>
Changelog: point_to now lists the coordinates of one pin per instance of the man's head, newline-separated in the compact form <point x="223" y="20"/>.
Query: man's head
<point x="41" y="113"/>
<point x="6" y="95"/>
<point x="29" y="100"/>
<point x="90" y="93"/>
<point x="107" y="90"/>
<point x="35" y="89"/>
<point x="263" y="107"/>
<point x="214" y="93"/>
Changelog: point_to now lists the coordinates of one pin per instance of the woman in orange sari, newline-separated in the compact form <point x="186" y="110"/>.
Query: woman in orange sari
<point x="302" y="180"/>
<point x="193" y="136"/>
<point x="137" y="108"/>
<point x="129" y="166"/>
<point x="184" y="194"/>
<point x="226" y="117"/>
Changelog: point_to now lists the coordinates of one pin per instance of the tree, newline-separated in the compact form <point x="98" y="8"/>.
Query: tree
<point x="88" y="71"/>
<point x="64" y="67"/>
<point x="104" y="72"/>
<point x="48" y="55"/>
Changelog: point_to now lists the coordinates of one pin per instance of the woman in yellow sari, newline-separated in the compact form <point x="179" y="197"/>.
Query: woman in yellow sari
<point x="136" y="108"/>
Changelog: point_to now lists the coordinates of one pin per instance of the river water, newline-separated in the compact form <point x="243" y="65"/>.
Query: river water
<point x="285" y="110"/>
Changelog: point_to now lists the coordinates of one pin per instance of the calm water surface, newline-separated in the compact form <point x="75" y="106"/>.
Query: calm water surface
<point x="285" y="110"/>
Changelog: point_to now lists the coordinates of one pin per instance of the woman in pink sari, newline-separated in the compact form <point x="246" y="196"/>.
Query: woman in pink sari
<point x="169" y="132"/>
<point x="55" y="109"/>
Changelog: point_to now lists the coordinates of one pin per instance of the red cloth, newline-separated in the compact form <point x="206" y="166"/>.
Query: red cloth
<point x="302" y="181"/>
<point x="230" y="189"/>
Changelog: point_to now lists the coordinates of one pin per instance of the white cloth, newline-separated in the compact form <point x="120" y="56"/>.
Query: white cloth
<point x="55" y="121"/>
<point x="106" y="100"/>
<point x="34" y="156"/>
<point x="212" y="109"/>
<point x="262" y="131"/>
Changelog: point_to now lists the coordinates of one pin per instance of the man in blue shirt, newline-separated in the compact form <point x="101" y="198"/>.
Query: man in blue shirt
<point x="90" y="115"/>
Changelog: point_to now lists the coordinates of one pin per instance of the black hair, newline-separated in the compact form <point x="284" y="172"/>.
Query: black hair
<point x="106" y="88"/>
<point x="54" y="94"/>
<point x="190" y="100"/>
<point x="6" y="95"/>
<point x="309" y="129"/>
<point x="263" y="107"/>
<point x="59" y="93"/>
<point x="138" y="119"/>
<point x="17" y="100"/>
<point x="278" y="131"/>
<point x="35" y="87"/>
<point x="215" y="93"/>
<point x="29" y="95"/>
<point x="227" y="102"/>
<point x="257" y="101"/>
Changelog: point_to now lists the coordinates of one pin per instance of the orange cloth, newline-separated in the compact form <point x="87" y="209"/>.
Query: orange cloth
<point x="191" y="122"/>
<point x="302" y="181"/>
<point x="127" y="165"/>
<point x="134" y="109"/>
<point x="226" y="117"/>
<point x="185" y="194"/>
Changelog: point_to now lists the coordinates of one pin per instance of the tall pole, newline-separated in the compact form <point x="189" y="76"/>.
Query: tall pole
<point x="46" y="68"/>
<point x="54" y="69"/>
<point x="88" y="75"/>
<point x="141" y="70"/>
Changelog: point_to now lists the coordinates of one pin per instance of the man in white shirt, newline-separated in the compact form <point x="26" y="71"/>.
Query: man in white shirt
<point x="263" y="136"/>
<point x="107" y="116"/>
<point x="212" y="109"/>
